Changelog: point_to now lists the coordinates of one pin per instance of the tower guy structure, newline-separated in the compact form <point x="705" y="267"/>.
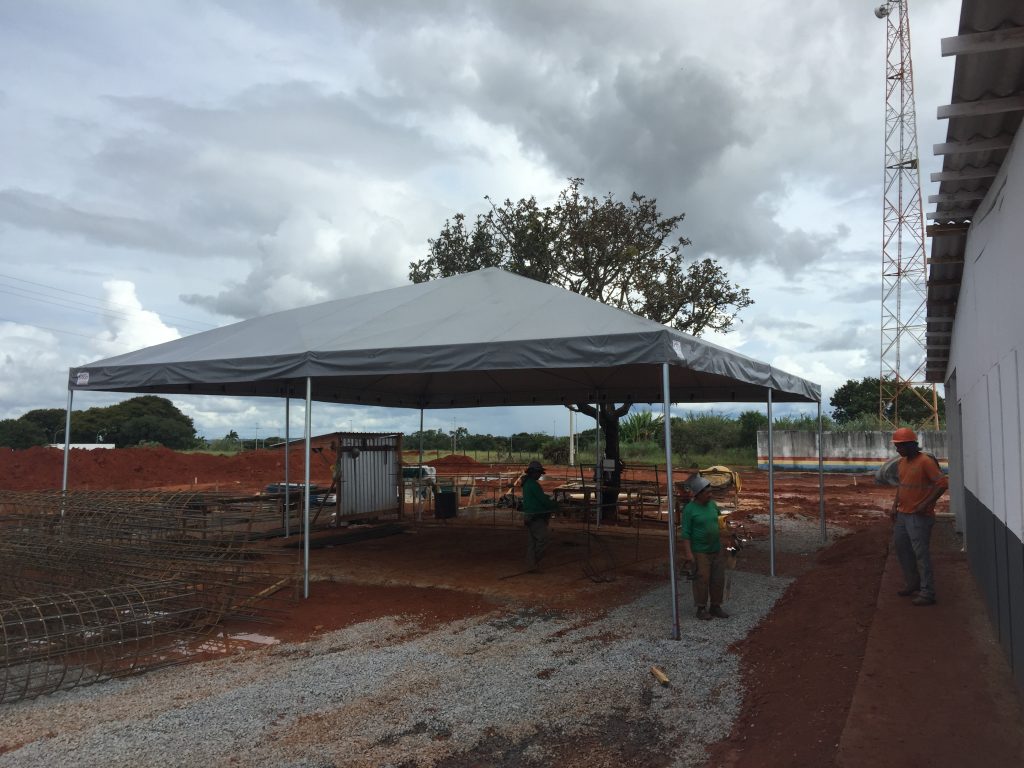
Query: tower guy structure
<point x="904" y="259"/>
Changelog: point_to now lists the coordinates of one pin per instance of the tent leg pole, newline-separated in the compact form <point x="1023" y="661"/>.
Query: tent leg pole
<point x="671" y="509"/>
<point x="67" y="444"/>
<point x="771" y="488"/>
<point x="287" y="514"/>
<point x="598" y="464"/>
<point x="305" y="502"/>
<point x="419" y="477"/>
<point x="821" y="476"/>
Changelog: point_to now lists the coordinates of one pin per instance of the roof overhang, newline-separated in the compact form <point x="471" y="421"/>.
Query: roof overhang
<point x="984" y="114"/>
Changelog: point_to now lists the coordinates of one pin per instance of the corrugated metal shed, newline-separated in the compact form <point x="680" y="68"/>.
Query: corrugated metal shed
<point x="984" y="113"/>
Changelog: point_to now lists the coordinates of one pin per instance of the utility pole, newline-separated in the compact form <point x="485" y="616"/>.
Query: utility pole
<point x="904" y="260"/>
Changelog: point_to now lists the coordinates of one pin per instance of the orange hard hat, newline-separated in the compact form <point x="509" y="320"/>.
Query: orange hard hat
<point x="904" y="435"/>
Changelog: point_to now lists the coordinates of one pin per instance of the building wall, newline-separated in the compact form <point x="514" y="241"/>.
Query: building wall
<point x="986" y="371"/>
<point x="842" y="451"/>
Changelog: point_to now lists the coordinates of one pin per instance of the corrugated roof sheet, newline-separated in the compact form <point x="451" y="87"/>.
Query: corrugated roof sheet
<point x="985" y="111"/>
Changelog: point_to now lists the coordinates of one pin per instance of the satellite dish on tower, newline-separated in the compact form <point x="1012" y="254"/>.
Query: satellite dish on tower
<point x="882" y="11"/>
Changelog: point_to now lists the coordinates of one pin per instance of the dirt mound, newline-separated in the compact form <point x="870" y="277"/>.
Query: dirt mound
<point x="456" y="463"/>
<point x="37" y="469"/>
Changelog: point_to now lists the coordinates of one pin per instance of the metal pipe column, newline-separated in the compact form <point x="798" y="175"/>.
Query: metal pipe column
<point x="821" y="476"/>
<point x="671" y="508"/>
<point x="305" y="504"/>
<point x="287" y="450"/>
<point x="771" y="487"/>
<point x="67" y="442"/>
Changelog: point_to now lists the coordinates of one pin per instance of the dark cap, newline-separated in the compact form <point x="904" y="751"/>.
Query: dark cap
<point x="535" y="466"/>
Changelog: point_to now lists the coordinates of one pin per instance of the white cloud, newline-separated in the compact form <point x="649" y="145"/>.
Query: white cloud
<point x="210" y="162"/>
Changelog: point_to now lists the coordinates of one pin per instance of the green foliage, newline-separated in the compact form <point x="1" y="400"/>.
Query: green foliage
<point x="51" y="420"/>
<point x="21" y="433"/>
<point x="856" y="399"/>
<point x="641" y="426"/>
<point x="701" y="433"/>
<point x="750" y="422"/>
<point x="623" y="254"/>
<point x="147" y="419"/>
<point x="556" y="451"/>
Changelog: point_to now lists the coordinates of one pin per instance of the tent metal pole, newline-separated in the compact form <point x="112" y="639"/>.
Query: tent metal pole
<point x="287" y="450"/>
<point x="598" y="464"/>
<point x="771" y="487"/>
<point x="419" y="476"/>
<point x="671" y="509"/>
<point x="67" y="445"/>
<point x="305" y="502"/>
<point x="821" y="476"/>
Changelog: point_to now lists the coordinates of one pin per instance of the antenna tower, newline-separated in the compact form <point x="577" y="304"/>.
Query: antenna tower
<point x="904" y="261"/>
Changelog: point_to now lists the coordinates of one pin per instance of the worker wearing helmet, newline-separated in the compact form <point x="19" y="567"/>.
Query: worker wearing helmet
<point x="537" y="509"/>
<point x="702" y="546"/>
<point x="913" y="510"/>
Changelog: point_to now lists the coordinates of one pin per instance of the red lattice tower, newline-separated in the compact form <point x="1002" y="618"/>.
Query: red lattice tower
<point x="904" y="260"/>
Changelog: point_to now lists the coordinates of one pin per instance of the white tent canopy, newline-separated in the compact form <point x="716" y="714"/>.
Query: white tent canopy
<point x="481" y="339"/>
<point x="485" y="338"/>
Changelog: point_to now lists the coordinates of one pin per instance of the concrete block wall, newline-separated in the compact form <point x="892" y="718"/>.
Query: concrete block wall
<point x="843" y="451"/>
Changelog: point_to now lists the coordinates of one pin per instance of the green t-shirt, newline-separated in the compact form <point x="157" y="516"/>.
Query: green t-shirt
<point x="535" y="501"/>
<point x="700" y="526"/>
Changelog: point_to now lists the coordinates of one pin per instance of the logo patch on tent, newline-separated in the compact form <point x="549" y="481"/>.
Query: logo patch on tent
<point x="82" y="379"/>
<point x="678" y="349"/>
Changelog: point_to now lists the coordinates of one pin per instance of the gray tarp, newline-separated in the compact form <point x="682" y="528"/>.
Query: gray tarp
<point x="485" y="338"/>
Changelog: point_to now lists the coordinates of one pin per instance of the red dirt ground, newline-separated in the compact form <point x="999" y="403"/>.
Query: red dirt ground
<point x="801" y="666"/>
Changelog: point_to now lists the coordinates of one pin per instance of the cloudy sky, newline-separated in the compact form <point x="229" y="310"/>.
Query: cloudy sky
<point x="172" y="166"/>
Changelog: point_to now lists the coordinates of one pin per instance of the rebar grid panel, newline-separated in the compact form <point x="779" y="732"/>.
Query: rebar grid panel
<point x="95" y="585"/>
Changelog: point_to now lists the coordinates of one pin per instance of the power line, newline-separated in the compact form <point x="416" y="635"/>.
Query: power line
<point x="59" y="330"/>
<point x="105" y="305"/>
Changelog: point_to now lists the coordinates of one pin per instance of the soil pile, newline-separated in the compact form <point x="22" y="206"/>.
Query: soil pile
<point x="38" y="469"/>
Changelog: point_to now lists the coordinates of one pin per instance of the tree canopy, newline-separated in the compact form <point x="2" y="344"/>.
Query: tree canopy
<point x="145" y="419"/>
<point x="859" y="400"/>
<point x="623" y="254"/>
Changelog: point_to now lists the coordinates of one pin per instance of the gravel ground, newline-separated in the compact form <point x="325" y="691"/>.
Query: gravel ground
<point x="519" y="688"/>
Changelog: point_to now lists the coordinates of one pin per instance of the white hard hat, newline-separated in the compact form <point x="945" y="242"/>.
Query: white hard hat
<point x="698" y="484"/>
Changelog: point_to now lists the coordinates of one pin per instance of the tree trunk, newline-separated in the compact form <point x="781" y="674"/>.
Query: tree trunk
<point x="611" y="483"/>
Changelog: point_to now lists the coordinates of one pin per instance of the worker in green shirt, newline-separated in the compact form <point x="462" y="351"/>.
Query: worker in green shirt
<point x="702" y="547"/>
<point x="537" y="509"/>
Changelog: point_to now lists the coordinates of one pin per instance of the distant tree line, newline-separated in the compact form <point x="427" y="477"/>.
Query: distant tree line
<point x="151" y="420"/>
<point x="145" y="420"/>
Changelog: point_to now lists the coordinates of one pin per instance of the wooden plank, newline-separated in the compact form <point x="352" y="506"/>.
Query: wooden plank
<point x="946" y="230"/>
<point x="983" y="42"/>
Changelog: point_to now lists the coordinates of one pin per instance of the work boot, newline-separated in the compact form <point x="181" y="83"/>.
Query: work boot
<point x="702" y="614"/>
<point x="923" y="600"/>
<point x="718" y="613"/>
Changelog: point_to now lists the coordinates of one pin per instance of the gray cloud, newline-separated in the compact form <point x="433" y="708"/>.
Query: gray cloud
<point x="31" y="210"/>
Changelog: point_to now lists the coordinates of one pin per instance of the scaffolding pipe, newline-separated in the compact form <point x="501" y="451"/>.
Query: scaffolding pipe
<point x="771" y="487"/>
<point x="671" y="510"/>
<point x="305" y="503"/>
<point x="821" y="476"/>
<point x="67" y="440"/>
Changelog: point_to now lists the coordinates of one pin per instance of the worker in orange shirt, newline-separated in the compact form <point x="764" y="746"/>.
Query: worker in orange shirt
<point x="922" y="482"/>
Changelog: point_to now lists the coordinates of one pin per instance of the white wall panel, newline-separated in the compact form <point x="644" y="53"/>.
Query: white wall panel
<point x="1013" y="456"/>
<point x="977" y="473"/>
<point x="997" y="475"/>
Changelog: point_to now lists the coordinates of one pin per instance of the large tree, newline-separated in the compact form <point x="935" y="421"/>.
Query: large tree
<point x="626" y="254"/>
<point x="859" y="399"/>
